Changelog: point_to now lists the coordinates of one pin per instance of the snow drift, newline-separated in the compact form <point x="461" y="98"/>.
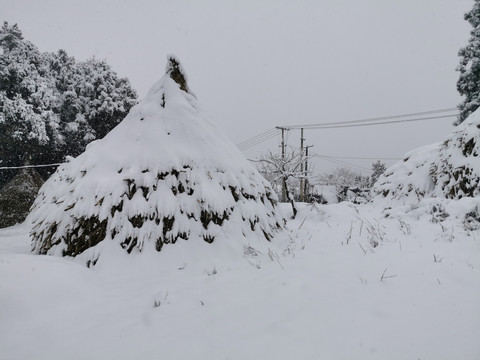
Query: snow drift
<point x="450" y="169"/>
<point x="164" y="173"/>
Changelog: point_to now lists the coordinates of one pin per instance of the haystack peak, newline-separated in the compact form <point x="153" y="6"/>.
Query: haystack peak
<point x="176" y="72"/>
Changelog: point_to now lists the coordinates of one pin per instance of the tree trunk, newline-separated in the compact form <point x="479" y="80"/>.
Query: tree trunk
<point x="290" y="199"/>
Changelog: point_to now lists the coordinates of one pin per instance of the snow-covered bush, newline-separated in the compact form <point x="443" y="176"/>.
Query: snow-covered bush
<point x="17" y="196"/>
<point x="472" y="220"/>
<point x="164" y="173"/>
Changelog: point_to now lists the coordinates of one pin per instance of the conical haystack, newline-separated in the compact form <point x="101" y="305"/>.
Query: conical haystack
<point x="164" y="173"/>
<point x="450" y="169"/>
<point x="456" y="172"/>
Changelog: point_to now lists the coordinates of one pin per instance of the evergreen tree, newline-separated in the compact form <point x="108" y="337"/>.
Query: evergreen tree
<point x="27" y="122"/>
<point x="10" y="36"/>
<point x="468" y="83"/>
<point x="378" y="168"/>
<point x="52" y="106"/>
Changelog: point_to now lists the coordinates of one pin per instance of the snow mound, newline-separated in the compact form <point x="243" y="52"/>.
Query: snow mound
<point x="409" y="179"/>
<point x="444" y="170"/>
<point x="164" y="173"/>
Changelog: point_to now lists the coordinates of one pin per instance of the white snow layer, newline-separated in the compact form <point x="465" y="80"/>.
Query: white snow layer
<point x="450" y="169"/>
<point x="348" y="282"/>
<point x="409" y="179"/>
<point x="155" y="177"/>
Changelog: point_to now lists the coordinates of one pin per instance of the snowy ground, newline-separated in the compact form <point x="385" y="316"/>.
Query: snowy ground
<point x="315" y="292"/>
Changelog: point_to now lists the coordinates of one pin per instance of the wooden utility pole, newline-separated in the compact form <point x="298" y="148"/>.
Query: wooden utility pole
<point x="305" y="191"/>
<point x="301" y="165"/>
<point x="284" y="183"/>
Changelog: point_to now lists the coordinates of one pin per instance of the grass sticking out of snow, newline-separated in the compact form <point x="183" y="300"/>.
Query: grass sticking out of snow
<point x="345" y="282"/>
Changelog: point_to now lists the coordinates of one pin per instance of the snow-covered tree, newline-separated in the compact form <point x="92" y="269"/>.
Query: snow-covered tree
<point x="28" y="101"/>
<point x="165" y="173"/>
<point x="10" y="36"/>
<point x="94" y="100"/>
<point x="284" y="173"/>
<point x="52" y="106"/>
<point x="25" y="95"/>
<point x="468" y="83"/>
<point x="378" y="168"/>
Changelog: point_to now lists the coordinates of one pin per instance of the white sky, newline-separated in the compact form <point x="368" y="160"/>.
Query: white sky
<point x="256" y="64"/>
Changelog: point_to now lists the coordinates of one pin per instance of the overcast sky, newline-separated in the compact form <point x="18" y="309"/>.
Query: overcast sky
<point x="256" y="64"/>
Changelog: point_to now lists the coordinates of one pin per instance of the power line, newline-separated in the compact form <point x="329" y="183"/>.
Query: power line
<point x="259" y="141"/>
<point x="360" y="158"/>
<point x="344" y="163"/>
<point x="256" y="137"/>
<point x="392" y="119"/>
<point x="260" y="138"/>
<point x="382" y="123"/>
<point x="376" y="119"/>
<point x="26" y="166"/>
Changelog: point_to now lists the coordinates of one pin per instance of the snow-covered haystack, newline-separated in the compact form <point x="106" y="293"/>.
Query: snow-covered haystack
<point x="445" y="170"/>
<point x="164" y="173"/>
<point x="456" y="172"/>
<point x="409" y="179"/>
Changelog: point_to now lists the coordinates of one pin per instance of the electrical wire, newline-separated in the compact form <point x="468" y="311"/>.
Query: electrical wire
<point x="252" y="144"/>
<point x="258" y="139"/>
<point x="376" y="119"/>
<point x="380" y="123"/>
<point x="392" y="119"/>
<point x="27" y="166"/>
<point x="360" y="158"/>
<point x="344" y="163"/>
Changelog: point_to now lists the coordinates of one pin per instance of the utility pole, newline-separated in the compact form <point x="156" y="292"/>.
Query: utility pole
<point x="305" y="191"/>
<point x="284" y="184"/>
<point x="301" y="165"/>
